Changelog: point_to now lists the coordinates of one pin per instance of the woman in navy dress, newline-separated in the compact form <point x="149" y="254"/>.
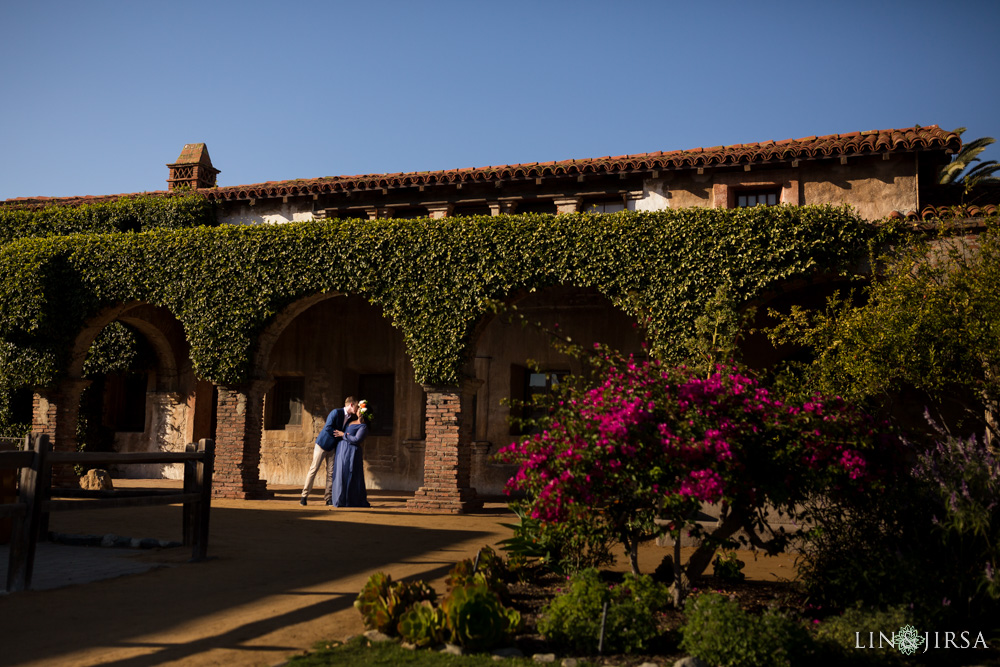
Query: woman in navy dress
<point x="348" y="483"/>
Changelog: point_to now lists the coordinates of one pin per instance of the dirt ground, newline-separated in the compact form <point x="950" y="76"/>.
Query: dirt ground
<point x="280" y="578"/>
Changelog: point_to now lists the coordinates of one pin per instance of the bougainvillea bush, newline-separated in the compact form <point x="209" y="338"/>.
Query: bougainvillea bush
<point x="641" y="440"/>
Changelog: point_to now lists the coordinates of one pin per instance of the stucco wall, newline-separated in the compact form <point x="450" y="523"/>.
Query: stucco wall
<point x="270" y="212"/>
<point x="875" y="187"/>
<point x="676" y="190"/>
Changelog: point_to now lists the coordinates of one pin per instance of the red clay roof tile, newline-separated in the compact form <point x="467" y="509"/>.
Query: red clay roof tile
<point x="947" y="212"/>
<point x="874" y="141"/>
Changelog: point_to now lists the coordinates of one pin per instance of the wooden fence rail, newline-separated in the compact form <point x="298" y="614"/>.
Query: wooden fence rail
<point x="36" y="498"/>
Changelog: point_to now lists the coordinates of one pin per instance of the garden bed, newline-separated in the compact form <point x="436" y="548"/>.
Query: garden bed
<point x="530" y="597"/>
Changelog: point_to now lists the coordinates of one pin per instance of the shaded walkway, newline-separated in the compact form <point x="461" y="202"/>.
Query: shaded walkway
<point x="280" y="578"/>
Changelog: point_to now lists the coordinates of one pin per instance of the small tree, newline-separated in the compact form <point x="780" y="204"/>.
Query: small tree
<point x="931" y="323"/>
<point x="647" y="441"/>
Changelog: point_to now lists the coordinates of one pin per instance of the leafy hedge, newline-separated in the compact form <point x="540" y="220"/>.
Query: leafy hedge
<point x="126" y="214"/>
<point x="435" y="279"/>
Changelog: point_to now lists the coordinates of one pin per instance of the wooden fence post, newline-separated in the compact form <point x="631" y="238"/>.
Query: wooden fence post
<point x="190" y="486"/>
<point x="27" y="527"/>
<point x="204" y="470"/>
<point x="44" y="489"/>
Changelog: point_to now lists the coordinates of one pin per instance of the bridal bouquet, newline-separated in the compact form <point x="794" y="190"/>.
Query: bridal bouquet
<point x="364" y="414"/>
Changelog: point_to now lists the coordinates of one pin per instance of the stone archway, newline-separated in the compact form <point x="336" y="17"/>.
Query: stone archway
<point x="314" y="353"/>
<point x="500" y="363"/>
<point x="162" y="410"/>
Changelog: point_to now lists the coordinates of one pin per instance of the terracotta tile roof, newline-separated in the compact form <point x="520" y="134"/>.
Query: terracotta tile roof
<point x="194" y="154"/>
<point x="947" y="212"/>
<point x="910" y="139"/>
<point x="835" y="145"/>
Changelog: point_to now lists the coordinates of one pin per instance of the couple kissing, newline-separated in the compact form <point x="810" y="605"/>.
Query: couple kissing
<point x="338" y="445"/>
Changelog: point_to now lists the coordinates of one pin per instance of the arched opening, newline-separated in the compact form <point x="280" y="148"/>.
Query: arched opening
<point x="516" y="362"/>
<point x="140" y="394"/>
<point x="319" y="351"/>
<point x="121" y="366"/>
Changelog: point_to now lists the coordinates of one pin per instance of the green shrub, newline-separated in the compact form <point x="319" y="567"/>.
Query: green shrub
<point x="422" y="624"/>
<point x="573" y="618"/>
<point x="717" y="631"/>
<point x="488" y="567"/>
<point x="862" y="550"/>
<point x="475" y="618"/>
<point x="562" y="548"/>
<point x="837" y="641"/>
<point x="382" y="601"/>
<point x="728" y="567"/>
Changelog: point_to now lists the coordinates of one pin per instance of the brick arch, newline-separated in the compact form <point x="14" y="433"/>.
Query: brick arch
<point x="272" y="332"/>
<point x="152" y="322"/>
<point x="519" y="297"/>
<point x="55" y="410"/>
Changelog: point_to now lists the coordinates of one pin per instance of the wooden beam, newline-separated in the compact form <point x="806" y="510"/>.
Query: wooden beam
<point x="17" y="459"/>
<point x="57" y="505"/>
<point x="121" y="457"/>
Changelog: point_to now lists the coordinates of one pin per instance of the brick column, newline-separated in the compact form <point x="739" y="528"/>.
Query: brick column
<point x="237" y="442"/>
<point x="55" y="412"/>
<point x="448" y="452"/>
<point x="567" y="205"/>
<point x="720" y="195"/>
<point x="502" y="207"/>
<point x="378" y="213"/>
<point x="436" y="211"/>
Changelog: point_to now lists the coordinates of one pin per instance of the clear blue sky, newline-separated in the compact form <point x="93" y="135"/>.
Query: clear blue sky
<point x="98" y="95"/>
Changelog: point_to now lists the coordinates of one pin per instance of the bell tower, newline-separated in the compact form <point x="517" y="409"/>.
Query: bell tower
<point x="192" y="170"/>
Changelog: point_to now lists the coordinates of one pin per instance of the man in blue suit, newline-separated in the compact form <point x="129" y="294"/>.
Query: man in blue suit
<point x="326" y="447"/>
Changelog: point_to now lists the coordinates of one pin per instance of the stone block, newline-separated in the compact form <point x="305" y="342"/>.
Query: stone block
<point x="97" y="480"/>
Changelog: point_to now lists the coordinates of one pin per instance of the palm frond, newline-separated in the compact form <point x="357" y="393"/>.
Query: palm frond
<point x="952" y="172"/>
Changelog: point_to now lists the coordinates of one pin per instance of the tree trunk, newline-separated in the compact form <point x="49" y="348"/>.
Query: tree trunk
<point x="680" y="586"/>
<point x="633" y="555"/>
<point x="702" y="556"/>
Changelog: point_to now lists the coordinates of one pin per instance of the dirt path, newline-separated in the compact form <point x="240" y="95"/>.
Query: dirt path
<point x="281" y="577"/>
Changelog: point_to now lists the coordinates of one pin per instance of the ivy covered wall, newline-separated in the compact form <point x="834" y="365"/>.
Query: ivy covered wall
<point x="435" y="279"/>
<point x="125" y="214"/>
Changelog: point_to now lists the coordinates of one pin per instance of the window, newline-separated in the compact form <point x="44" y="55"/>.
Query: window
<point x="379" y="389"/>
<point x="408" y="213"/>
<point x="767" y="197"/>
<point x="284" y="403"/>
<point x="525" y="385"/>
<point x="471" y="209"/>
<point x="610" y="206"/>
<point x="536" y="206"/>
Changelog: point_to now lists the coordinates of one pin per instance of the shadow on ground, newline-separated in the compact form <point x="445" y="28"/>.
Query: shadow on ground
<point x="280" y="577"/>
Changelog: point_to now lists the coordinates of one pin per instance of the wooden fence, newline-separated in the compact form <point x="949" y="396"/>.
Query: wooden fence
<point x="36" y="497"/>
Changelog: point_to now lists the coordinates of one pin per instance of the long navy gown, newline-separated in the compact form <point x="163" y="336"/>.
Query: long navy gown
<point x="348" y="485"/>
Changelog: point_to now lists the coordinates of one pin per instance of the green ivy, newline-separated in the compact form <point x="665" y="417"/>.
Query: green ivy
<point x="125" y="214"/>
<point x="435" y="279"/>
